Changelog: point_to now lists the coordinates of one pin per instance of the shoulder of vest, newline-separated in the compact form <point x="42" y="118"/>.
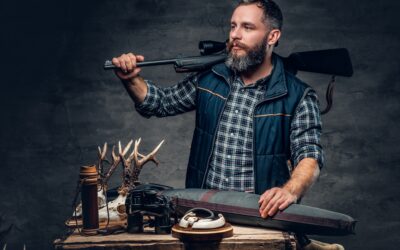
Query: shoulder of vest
<point x="204" y="73"/>
<point x="207" y="76"/>
<point x="294" y="82"/>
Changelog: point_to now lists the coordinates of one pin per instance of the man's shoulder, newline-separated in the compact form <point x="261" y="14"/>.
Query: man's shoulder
<point x="204" y="73"/>
<point x="295" y="84"/>
<point x="294" y="81"/>
<point x="216" y="71"/>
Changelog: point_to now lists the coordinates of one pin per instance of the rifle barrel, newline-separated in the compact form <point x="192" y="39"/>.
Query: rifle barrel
<point x="109" y="65"/>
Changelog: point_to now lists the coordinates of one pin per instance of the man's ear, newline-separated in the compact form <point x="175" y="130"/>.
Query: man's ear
<point x="273" y="37"/>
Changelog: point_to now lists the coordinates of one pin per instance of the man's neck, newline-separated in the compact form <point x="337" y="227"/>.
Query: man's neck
<point x="262" y="71"/>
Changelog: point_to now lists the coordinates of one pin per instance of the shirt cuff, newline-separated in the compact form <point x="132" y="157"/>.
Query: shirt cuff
<point x="317" y="155"/>
<point x="144" y="108"/>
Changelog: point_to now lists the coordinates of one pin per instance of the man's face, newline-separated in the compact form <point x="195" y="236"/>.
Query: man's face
<point x="247" y="38"/>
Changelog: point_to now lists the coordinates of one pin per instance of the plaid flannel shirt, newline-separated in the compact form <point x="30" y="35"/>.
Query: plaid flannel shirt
<point x="231" y="165"/>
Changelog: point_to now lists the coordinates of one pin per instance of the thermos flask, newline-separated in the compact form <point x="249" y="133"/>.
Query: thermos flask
<point x="90" y="211"/>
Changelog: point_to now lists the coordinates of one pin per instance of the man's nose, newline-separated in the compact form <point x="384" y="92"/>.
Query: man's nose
<point x="236" y="34"/>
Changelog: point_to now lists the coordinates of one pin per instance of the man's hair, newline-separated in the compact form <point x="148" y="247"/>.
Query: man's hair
<point x="273" y="17"/>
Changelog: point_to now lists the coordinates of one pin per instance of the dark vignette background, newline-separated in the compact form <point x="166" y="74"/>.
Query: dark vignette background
<point x="57" y="104"/>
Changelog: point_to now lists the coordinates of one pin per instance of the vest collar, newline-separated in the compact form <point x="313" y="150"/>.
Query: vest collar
<point x="276" y="87"/>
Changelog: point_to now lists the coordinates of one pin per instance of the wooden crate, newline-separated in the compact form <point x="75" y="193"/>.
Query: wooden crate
<point x="246" y="238"/>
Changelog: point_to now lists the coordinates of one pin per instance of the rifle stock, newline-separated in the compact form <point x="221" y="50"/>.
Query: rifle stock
<point x="331" y="61"/>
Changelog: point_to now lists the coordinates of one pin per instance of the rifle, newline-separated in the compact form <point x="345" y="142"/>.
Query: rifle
<point x="335" y="62"/>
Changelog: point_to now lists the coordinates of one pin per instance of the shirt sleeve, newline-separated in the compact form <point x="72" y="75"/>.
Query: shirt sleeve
<point x="305" y="131"/>
<point x="177" y="99"/>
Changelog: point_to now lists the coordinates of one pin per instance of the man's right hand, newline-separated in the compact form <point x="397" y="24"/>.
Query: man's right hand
<point x="128" y="72"/>
<point x="127" y="66"/>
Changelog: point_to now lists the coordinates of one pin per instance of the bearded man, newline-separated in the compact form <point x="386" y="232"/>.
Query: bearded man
<point x="257" y="126"/>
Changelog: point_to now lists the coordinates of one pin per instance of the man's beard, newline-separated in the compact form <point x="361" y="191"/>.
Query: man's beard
<point x="253" y="57"/>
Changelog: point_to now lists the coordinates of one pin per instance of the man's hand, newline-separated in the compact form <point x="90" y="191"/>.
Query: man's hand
<point x="303" y="176"/>
<point x="128" y="72"/>
<point x="127" y="66"/>
<point x="275" y="199"/>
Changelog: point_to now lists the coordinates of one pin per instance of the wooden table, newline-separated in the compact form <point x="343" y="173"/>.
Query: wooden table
<point x="246" y="238"/>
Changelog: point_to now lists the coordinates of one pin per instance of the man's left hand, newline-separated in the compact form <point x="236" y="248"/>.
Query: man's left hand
<point x="275" y="199"/>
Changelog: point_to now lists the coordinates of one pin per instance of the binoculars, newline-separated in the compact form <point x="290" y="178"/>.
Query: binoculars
<point x="145" y="201"/>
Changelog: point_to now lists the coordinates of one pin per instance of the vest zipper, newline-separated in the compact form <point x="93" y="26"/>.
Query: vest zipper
<point x="216" y="131"/>
<point x="254" y="141"/>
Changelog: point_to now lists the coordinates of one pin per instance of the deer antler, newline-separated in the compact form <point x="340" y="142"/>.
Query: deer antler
<point x="131" y="176"/>
<point x="102" y="157"/>
<point x="150" y="157"/>
<point x="116" y="158"/>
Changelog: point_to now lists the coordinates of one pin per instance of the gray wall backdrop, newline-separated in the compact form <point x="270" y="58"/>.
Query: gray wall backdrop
<point x="57" y="104"/>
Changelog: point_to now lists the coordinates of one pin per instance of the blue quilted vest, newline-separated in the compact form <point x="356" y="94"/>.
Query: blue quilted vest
<point x="271" y="123"/>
